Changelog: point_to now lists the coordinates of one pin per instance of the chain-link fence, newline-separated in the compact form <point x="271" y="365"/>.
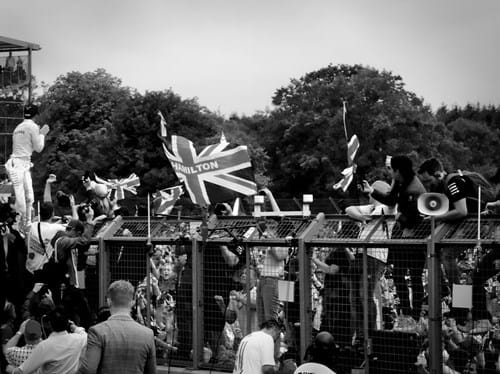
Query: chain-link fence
<point x="381" y="291"/>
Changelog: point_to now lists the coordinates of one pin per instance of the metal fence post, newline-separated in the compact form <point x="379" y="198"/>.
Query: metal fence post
<point x="197" y="303"/>
<point x="103" y="271"/>
<point x="366" y="338"/>
<point x="304" y="278"/>
<point x="435" y="354"/>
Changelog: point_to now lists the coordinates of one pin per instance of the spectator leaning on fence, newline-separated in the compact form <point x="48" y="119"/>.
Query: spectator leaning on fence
<point x="462" y="195"/>
<point x="376" y="259"/>
<point x="406" y="188"/>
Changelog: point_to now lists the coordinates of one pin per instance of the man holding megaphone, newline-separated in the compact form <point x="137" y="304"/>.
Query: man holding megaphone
<point x="461" y="196"/>
<point x="462" y="192"/>
<point x="458" y="189"/>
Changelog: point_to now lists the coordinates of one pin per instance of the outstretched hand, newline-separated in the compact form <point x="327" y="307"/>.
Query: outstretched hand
<point x="37" y="287"/>
<point x="45" y="129"/>
<point x="367" y="188"/>
<point x="52" y="178"/>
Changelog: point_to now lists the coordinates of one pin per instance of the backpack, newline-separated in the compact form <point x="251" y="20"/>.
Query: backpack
<point x="488" y="191"/>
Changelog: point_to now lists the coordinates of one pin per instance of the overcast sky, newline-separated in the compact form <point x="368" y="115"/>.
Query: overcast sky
<point x="232" y="55"/>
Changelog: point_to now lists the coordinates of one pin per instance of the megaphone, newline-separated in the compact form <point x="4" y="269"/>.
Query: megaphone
<point x="433" y="204"/>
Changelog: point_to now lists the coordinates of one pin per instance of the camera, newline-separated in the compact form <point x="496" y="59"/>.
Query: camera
<point x="7" y="215"/>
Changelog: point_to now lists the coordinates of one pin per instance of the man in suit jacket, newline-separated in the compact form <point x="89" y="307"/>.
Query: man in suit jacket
<point x="119" y="345"/>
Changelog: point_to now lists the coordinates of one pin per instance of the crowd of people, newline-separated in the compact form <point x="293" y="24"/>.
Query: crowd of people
<point x="13" y="77"/>
<point x="47" y="322"/>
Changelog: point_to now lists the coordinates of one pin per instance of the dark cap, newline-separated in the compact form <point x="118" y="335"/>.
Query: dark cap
<point x="30" y="111"/>
<point x="32" y="330"/>
<point x="76" y="225"/>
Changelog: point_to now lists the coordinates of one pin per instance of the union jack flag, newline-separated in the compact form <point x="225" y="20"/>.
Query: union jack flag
<point x="216" y="174"/>
<point x="348" y="173"/>
<point x="164" y="200"/>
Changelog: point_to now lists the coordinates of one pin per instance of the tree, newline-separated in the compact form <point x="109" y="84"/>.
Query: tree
<point x="79" y="108"/>
<point x="306" y="140"/>
<point x="137" y="124"/>
<point x="247" y="131"/>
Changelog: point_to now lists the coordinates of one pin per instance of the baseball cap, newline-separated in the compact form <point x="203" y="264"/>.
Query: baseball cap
<point x="30" y="111"/>
<point x="75" y="225"/>
<point x="382" y="187"/>
<point x="32" y="330"/>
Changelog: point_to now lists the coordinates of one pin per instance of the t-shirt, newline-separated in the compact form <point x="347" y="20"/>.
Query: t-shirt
<point x="313" y="368"/>
<point x="37" y="255"/>
<point x="459" y="187"/>
<point x="255" y="351"/>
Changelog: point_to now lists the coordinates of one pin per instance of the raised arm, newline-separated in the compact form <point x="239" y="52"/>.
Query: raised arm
<point x="38" y="138"/>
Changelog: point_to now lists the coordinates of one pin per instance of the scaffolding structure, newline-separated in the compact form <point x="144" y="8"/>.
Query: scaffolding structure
<point x="16" y="87"/>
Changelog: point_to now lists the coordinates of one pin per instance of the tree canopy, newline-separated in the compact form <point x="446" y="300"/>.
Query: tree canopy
<point x="299" y="147"/>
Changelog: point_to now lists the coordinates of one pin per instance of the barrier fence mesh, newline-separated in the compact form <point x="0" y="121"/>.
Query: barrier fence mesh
<point x="367" y="284"/>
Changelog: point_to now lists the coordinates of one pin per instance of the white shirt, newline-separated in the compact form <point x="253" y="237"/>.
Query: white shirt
<point x="58" y="354"/>
<point x="36" y="257"/>
<point x="255" y="351"/>
<point x="313" y="368"/>
<point x="376" y="210"/>
<point x="26" y="138"/>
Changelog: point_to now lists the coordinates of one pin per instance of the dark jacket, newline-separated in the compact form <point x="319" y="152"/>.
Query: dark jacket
<point x="405" y="196"/>
<point x="66" y="250"/>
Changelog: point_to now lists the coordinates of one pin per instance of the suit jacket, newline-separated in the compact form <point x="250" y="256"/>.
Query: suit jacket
<point x="119" y="345"/>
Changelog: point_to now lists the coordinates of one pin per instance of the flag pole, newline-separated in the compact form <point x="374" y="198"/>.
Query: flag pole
<point x="344" y="111"/>
<point x="149" y="250"/>
<point x="204" y="225"/>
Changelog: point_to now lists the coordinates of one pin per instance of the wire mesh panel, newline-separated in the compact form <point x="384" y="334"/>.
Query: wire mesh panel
<point x="285" y="227"/>
<point x="394" y="351"/>
<point x="370" y="281"/>
<point x="244" y="284"/>
<point x="127" y="261"/>
<point x="171" y="300"/>
<point x="89" y="265"/>
<point x="220" y="268"/>
<point x="368" y="284"/>
<point x="339" y="228"/>
<point x="171" y="289"/>
<point x="467" y="230"/>
<point x="232" y="228"/>
<point x="133" y="228"/>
